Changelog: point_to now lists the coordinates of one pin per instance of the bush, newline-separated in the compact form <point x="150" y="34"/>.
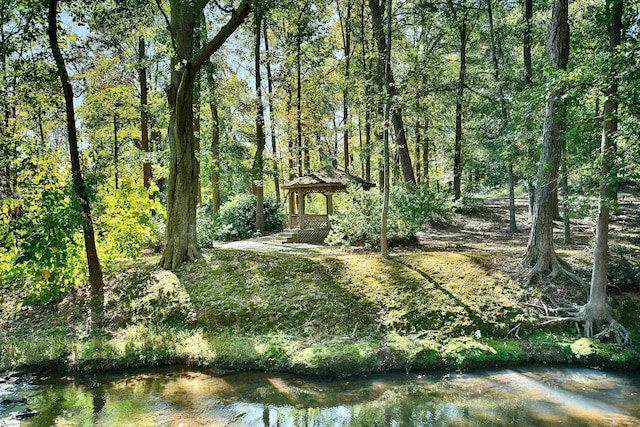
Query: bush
<point x="40" y="246"/>
<point x="237" y="218"/>
<point x="124" y="223"/>
<point x="411" y="208"/>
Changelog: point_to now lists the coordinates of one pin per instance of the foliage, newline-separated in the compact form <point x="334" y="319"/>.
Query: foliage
<point x="124" y="223"/>
<point x="39" y="231"/>
<point x="237" y="219"/>
<point x="411" y="209"/>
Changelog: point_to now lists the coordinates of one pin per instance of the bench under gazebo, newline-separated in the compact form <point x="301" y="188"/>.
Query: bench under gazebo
<point x="327" y="181"/>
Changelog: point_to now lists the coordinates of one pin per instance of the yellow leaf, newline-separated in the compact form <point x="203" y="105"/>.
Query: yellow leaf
<point x="45" y="274"/>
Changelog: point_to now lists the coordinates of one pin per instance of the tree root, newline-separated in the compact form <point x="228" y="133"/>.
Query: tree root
<point x="558" y="268"/>
<point x="609" y="326"/>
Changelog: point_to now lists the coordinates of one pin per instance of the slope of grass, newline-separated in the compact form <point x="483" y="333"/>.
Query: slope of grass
<point x="316" y="312"/>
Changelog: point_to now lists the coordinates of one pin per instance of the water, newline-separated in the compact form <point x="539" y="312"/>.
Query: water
<point x="539" y="396"/>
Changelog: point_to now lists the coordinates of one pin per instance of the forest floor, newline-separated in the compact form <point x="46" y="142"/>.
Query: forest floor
<point x="454" y="300"/>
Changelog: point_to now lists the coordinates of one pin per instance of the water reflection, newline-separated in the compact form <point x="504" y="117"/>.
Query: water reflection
<point x="189" y="397"/>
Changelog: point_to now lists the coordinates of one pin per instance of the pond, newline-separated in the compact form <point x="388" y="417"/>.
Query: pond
<point x="182" y="396"/>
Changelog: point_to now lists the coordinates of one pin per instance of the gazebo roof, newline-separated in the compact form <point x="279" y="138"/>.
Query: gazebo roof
<point x="327" y="179"/>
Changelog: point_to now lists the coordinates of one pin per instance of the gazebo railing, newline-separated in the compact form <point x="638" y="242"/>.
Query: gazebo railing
<point x="310" y="222"/>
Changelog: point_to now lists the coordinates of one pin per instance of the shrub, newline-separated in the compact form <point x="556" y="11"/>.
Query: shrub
<point x="411" y="208"/>
<point x="40" y="244"/>
<point x="236" y="219"/>
<point x="124" y="224"/>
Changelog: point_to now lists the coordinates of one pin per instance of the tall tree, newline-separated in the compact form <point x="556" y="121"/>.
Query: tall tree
<point x="272" y="121"/>
<point x="79" y="186"/>
<point x="540" y="251"/>
<point x="461" y="14"/>
<point x="596" y="314"/>
<point x="215" y="139"/>
<point x="528" y="82"/>
<point x="182" y="191"/>
<point x="144" y="110"/>
<point x="504" y="113"/>
<point x="597" y="311"/>
<point x="258" y="161"/>
<point x="345" y="28"/>
<point x="384" y="246"/>
<point x="400" y="137"/>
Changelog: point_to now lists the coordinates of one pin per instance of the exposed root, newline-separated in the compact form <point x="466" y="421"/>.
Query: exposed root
<point x="609" y="326"/>
<point x="556" y="268"/>
<point x="514" y="331"/>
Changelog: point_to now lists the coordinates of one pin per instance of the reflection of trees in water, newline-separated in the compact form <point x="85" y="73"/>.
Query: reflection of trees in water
<point x="548" y="397"/>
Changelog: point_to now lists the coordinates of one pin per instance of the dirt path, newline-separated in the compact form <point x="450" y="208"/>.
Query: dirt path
<point x="488" y="228"/>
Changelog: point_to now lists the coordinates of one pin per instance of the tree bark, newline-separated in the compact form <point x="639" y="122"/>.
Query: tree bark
<point x="566" y="220"/>
<point x="367" y="98"/>
<point x="396" y="111"/>
<point x="540" y="251"/>
<point x="425" y="153"/>
<point x="504" y="115"/>
<point x="597" y="309"/>
<point x="384" y="247"/>
<point x="214" y="178"/>
<point x="299" y="147"/>
<point x="526" y="53"/>
<point x="144" y="112"/>
<point x="274" y="148"/>
<point x="418" y="143"/>
<point x="182" y="192"/>
<point x="93" y="263"/>
<point x="345" y="26"/>
<point x="258" y="161"/>
<point x="115" y="148"/>
<point x="457" y="156"/>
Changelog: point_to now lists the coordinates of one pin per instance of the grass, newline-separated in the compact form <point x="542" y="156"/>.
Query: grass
<point x="321" y="312"/>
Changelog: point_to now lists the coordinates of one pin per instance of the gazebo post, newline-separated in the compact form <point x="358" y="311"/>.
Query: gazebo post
<point x="329" y="197"/>
<point x="301" y="195"/>
<point x="291" y="208"/>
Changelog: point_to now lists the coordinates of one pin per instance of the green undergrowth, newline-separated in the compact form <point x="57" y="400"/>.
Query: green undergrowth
<point x="329" y="313"/>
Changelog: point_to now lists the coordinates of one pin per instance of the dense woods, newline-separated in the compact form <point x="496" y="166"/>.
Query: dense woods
<point x="131" y="127"/>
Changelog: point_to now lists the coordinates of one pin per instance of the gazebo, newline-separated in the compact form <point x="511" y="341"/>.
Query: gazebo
<point x="329" y="180"/>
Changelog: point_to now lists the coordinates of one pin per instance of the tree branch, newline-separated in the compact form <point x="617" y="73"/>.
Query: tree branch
<point x="237" y="18"/>
<point x="166" y="19"/>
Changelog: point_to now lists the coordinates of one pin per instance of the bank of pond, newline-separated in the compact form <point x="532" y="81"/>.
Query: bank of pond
<point x="172" y="396"/>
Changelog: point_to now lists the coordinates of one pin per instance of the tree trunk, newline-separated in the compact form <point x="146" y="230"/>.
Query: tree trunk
<point x="274" y="148"/>
<point x="457" y="156"/>
<point x="292" y="152"/>
<point x="597" y="309"/>
<point x="566" y="220"/>
<point x="144" y="112"/>
<point x="345" y="26"/>
<point x="540" y="251"/>
<point x="367" y="99"/>
<point x="418" y="165"/>
<point x="396" y="111"/>
<point x="93" y="263"/>
<point x="425" y="153"/>
<point x="115" y="148"/>
<point x="299" y="147"/>
<point x="215" y="142"/>
<point x="615" y="11"/>
<point x="526" y="53"/>
<point x="384" y="247"/>
<point x="258" y="162"/>
<point x="182" y="192"/>
<point x="198" y="33"/>
<point x="504" y="115"/>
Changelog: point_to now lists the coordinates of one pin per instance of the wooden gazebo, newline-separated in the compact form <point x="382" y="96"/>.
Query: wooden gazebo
<point x="315" y="228"/>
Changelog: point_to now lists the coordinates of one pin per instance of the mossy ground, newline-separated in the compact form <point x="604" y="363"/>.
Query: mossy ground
<point x="326" y="313"/>
<point x="456" y="302"/>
